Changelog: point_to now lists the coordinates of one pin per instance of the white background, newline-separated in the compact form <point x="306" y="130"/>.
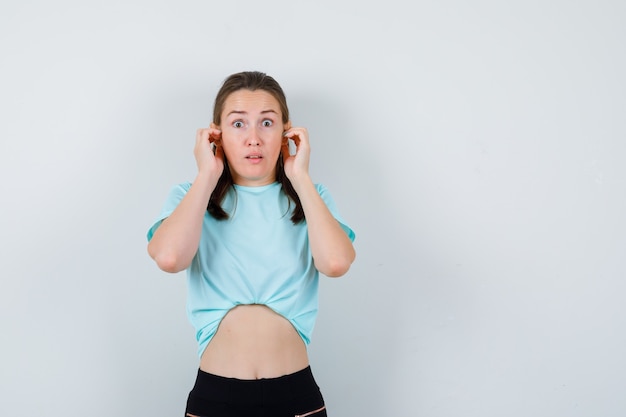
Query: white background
<point x="477" y="149"/>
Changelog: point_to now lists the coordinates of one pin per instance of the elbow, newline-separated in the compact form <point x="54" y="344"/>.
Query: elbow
<point x="336" y="272"/>
<point x="337" y="266"/>
<point x="167" y="262"/>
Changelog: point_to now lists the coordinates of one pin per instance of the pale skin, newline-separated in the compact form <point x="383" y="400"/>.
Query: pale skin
<point x="252" y="341"/>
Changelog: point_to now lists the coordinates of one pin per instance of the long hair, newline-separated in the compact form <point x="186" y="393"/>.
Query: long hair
<point x="251" y="80"/>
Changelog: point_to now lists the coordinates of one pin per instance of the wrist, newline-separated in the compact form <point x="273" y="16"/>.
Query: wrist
<point x="206" y="179"/>
<point x="300" y="182"/>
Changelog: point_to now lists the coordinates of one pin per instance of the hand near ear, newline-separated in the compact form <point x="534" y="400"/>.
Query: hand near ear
<point x="296" y="165"/>
<point x="331" y="247"/>
<point x="208" y="151"/>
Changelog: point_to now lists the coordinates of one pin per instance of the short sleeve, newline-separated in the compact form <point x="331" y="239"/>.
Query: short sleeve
<point x="173" y="199"/>
<point x="332" y="207"/>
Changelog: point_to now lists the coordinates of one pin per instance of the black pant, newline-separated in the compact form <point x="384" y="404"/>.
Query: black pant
<point x="294" y="395"/>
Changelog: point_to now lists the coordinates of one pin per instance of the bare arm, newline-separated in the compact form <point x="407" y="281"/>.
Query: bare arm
<point x="175" y="242"/>
<point x="331" y="247"/>
<point x="332" y="250"/>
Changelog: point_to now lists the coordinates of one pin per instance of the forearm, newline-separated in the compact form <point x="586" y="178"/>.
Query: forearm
<point x="331" y="247"/>
<point x="176" y="240"/>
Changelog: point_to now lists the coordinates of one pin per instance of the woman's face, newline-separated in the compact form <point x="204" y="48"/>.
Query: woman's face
<point x="252" y="136"/>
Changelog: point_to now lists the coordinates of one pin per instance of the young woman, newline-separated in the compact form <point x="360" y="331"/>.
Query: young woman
<point x="253" y="233"/>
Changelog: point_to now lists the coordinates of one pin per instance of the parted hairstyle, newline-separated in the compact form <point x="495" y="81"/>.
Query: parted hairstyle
<point x="251" y="80"/>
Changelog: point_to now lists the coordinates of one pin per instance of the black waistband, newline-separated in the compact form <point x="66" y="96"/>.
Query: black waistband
<point x="211" y="387"/>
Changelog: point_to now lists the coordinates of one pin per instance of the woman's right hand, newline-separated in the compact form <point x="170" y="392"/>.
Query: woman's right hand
<point x="208" y="160"/>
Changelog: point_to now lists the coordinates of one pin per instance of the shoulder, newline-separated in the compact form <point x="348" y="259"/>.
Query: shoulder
<point x="321" y="188"/>
<point x="183" y="186"/>
<point x="176" y="193"/>
<point x="323" y="191"/>
<point x="180" y="189"/>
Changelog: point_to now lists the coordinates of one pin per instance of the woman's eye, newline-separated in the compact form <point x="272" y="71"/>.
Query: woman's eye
<point x="238" y="124"/>
<point x="267" y="123"/>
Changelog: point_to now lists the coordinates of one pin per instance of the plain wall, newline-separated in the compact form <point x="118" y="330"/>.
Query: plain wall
<point x="477" y="149"/>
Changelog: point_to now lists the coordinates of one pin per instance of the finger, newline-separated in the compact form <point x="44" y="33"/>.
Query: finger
<point x="219" y="153"/>
<point x="215" y="135"/>
<point x="294" y="136"/>
<point x="284" y="150"/>
<point x="203" y="134"/>
<point x="199" y="134"/>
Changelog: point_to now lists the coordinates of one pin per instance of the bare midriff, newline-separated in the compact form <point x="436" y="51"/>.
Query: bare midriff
<point x="254" y="342"/>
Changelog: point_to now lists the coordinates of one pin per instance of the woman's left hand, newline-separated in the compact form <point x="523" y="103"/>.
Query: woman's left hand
<point x="296" y="165"/>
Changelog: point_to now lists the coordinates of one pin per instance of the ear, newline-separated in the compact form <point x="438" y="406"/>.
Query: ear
<point x="214" y="126"/>
<point x="287" y="126"/>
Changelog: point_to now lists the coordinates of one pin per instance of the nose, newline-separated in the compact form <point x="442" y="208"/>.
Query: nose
<point x="254" y="139"/>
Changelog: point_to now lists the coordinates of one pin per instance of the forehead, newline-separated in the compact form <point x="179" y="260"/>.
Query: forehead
<point x="250" y="102"/>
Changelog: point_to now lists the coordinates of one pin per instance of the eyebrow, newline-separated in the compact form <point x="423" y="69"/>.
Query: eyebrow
<point x="245" y="112"/>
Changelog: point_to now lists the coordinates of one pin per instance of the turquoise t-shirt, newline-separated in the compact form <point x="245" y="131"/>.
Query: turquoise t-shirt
<point x="256" y="256"/>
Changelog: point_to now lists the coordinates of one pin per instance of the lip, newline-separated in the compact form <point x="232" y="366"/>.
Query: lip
<point x="254" y="158"/>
